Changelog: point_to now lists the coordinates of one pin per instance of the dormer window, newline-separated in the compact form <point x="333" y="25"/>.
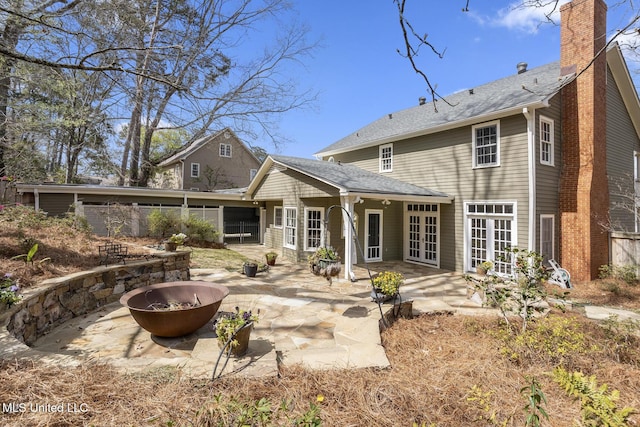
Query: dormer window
<point x="386" y="158"/>
<point x="225" y="150"/>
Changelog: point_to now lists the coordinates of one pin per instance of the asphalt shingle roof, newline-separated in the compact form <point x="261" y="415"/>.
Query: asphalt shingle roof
<point x="533" y="86"/>
<point x="352" y="178"/>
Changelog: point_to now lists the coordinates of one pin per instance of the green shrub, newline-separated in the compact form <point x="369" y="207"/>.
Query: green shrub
<point x="552" y="339"/>
<point x="598" y="406"/>
<point x="626" y="273"/>
<point x="162" y="223"/>
<point x="625" y="343"/>
<point x="198" y="230"/>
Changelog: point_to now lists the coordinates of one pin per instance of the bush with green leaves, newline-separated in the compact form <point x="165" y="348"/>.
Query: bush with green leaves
<point x="522" y="292"/>
<point x="199" y="230"/>
<point x="598" y="405"/>
<point x="9" y="289"/>
<point x="624" y="337"/>
<point x="163" y="223"/>
<point x="552" y="339"/>
<point x="626" y="273"/>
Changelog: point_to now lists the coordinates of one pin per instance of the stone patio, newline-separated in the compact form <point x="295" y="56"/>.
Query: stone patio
<point x="303" y="320"/>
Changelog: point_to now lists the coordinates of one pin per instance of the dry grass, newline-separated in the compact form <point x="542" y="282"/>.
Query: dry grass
<point x="436" y="362"/>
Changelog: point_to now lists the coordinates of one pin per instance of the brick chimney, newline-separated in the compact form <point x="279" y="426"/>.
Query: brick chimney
<point x="584" y="194"/>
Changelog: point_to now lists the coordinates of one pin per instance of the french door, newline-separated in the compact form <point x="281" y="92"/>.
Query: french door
<point x="373" y="228"/>
<point x="490" y="231"/>
<point x="423" y="236"/>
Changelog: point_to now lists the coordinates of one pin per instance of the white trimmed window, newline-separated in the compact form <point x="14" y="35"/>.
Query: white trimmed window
<point x="195" y="170"/>
<point x="490" y="230"/>
<point x="290" y="227"/>
<point x="252" y="174"/>
<point x="486" y="145"/>
<point x="313" y="220"/>
<point x="225" y="150"/>
<point x="277" y="216"/>
<point x="386" y="158"/>
<point x="547" y="236"/>
<point x="546" y="141"/>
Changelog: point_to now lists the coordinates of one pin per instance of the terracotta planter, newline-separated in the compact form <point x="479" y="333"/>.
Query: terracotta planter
<point x="271" y="260"/>
<point x="170" y="246"/>
<point x="481" y="271"/>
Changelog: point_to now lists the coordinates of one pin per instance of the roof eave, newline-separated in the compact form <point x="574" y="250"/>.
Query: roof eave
<point x="441" y="128"/>
<point x="125" y="191"/>
<point x="399" y="197"/>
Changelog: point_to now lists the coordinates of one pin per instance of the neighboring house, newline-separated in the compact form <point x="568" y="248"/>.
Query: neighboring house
<point x="525" y="161"/>
<point x="215" y="162"/>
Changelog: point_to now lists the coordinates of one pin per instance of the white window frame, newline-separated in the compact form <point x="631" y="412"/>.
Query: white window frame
<point x="276" y="223"/>
<point x="543" y="142"/>
<point x="386" y="160"/>
<point x="491" y="217"/>
<point x="225" y="150"/>
<point x="307" y="210"/>
<point x="552" y="217"/>
<point x="289" y="228"/>
<point x="252" y="173"/>
<point x="195" y="170"/>
<point x="474" y="152"/>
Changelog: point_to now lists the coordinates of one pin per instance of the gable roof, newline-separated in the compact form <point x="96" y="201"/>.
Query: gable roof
<point x="348" y="179"/>
<point x="509" y="95"/>
<point x="193" y="146"/>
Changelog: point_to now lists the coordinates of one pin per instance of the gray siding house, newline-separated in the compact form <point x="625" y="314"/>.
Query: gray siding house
<point x="533" y="160"/>
<point x="215" y="162"/>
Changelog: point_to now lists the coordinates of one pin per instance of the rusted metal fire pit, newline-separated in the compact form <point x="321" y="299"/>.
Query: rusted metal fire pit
<point x="191" y="305"/>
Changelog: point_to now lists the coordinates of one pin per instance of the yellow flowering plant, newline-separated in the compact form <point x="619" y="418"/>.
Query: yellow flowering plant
<point x="388" y="282"/>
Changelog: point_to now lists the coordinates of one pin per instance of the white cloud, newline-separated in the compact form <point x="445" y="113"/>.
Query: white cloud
<point x="528" y="15"/>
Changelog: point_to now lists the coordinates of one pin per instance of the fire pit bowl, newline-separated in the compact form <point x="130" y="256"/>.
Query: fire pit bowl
<point x="174" y="309"/>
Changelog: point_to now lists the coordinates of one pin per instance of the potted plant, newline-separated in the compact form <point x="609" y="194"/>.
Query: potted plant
<point x="234" y="330"/>
<point x="325" y="262"/>
<point x="271" y="258"/>
<point x="250" y="268"/>
<point x="483" y="268"/>
<point x="386" y="285"/>
<point x="174" y="241"/>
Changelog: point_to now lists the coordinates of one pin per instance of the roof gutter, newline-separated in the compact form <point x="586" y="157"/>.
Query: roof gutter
<point x="447" y="126"/>
<point x="124" y="191"/>
<point x="398" y="197"/>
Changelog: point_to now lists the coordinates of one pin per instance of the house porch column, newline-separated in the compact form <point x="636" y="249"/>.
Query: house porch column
<point x="347" y="203"/>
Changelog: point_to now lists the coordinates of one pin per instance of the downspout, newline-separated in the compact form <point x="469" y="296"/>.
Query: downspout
<point x="530" y="115"/>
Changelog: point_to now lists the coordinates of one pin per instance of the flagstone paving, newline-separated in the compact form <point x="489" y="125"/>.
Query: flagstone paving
<point x="303" y="320"/>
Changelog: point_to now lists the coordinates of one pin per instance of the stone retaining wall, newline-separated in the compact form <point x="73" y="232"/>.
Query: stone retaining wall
<point x="60" y="299"/>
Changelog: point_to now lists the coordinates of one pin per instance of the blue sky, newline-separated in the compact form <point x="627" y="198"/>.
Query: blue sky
<point x="360" y="77"/>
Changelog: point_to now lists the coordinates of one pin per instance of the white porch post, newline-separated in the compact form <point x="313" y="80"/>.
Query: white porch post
<point x="347" y="203"/>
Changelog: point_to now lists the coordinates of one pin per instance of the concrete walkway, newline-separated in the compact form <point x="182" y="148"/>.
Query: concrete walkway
<point x="303" y="320"/>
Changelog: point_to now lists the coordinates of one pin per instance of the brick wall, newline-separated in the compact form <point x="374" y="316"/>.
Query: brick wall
<point x="584" y="196"/>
